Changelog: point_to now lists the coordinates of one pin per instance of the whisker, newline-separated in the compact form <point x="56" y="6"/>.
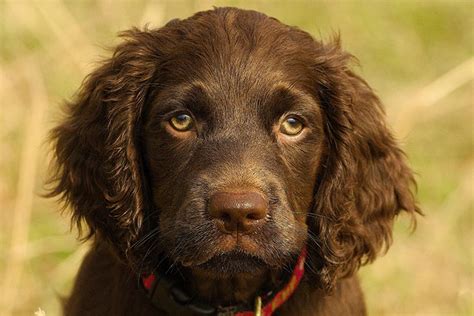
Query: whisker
<point x="315" y="215"/>
<point x="154" y="232"/>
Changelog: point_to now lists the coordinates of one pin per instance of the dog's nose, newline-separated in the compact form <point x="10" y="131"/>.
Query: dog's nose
<point x="238" y="211"/>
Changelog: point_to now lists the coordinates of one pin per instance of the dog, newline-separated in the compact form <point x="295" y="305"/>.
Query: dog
<point x="227" y="164"/>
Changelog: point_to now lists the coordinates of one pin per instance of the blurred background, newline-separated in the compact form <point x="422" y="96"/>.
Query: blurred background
<point x="417" y="55"/>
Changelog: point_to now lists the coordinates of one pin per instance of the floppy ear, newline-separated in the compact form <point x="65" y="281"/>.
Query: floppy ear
<point x="99" y="171"/>
<point x="365" y="181"/>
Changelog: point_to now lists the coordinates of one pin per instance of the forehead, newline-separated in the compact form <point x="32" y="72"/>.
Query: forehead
<point x="238" y="66"/>
<point x="232" y="49"/>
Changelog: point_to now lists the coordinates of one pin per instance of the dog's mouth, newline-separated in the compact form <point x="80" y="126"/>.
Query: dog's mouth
<point x="233" y="262"/>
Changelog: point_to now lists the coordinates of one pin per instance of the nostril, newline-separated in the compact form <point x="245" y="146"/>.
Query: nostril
<point x="224" y="216"/>
<point x="253" y="216"/>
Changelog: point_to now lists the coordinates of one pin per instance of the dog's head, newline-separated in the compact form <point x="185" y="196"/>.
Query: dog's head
<point x="226" y="142"/>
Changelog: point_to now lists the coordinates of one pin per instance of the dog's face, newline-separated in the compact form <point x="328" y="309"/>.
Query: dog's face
<point x="228" y="141"/>
<point x="232" y="163"/>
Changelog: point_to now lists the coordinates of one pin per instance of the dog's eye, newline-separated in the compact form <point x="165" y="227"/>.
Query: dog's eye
<point x="181" y="122"/>
<point x="291" y="126"/>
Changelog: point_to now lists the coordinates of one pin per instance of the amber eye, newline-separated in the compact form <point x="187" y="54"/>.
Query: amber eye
<point x="291" y="126"/>
<point x="181" y="122"/>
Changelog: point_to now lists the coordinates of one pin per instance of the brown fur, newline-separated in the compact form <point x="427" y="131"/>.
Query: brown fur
<point x="143" y="190"/>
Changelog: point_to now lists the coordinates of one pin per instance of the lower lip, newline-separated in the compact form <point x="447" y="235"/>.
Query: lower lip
<point x="233" y="262"/>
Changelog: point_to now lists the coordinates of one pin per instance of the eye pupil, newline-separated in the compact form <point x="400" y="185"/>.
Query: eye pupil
<point x="181" y="122"/>
<point x="291" y="126"/>
<point x="292" y="121"/>
<point x="182" y="117"/>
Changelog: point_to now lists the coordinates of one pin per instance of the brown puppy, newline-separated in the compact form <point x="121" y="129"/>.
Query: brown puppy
<point x="214" y="150"/>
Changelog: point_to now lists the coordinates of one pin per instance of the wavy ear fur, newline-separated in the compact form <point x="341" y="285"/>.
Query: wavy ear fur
<point x="99" y="172"/>
<point x="365" y="181"/>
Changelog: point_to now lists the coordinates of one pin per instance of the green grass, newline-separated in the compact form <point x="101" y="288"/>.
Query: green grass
<point x="402" y="46"/>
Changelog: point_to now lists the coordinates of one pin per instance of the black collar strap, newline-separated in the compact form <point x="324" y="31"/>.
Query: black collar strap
<point x="169" y="296"/>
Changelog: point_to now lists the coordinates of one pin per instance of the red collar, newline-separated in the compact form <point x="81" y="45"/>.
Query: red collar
<point x="164" y="293"/>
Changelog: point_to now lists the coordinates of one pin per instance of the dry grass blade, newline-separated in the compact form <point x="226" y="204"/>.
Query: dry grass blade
<point x="446" y="84"/>
<point x="25" y="187"/>
<point x="68" y="31"/>
<point x="431" y="94"/>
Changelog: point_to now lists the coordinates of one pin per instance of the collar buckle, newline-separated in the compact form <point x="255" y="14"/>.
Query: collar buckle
<point x="258" y="306"/>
